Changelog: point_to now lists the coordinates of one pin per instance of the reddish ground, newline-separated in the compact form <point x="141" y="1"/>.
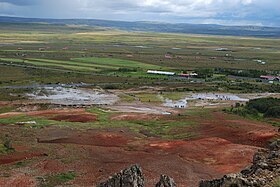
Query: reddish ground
<point x="19" y="156"/>
<point x="89" y="137"/>
<point x="83" y="118"/>
<point x="222" y="145"/>
<point x="18" y="179"/>
<point x="70" y="115"/>
<point x="239" y="131"/>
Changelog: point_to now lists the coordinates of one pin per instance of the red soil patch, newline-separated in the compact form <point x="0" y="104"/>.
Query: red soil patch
<point x="236" y="131"/>
<point x="106" y="139"/>
<point x="133" y="116"/>
<point x="18" y="156"/>
<point x="167" y="145"/>
<point x="221" y="146"/>
<point x="18" y="180"/>
<point x="51" y="166"/>
<point x="56" y="112"/>
<point x="83" y="118"/>
<point x="220" y="154"/>
<point x="104" y="153"/>
<point x="70" y="115"/>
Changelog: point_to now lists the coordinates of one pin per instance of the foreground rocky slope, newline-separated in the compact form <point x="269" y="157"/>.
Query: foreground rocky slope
<point x="133" y="177"/>
<point x="264" y="172"/>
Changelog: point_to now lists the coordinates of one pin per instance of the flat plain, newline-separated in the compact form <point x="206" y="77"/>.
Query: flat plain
<point x="54" y="81"/>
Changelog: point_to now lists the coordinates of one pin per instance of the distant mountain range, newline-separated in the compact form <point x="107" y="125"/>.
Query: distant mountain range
<point x="255" y="31"/>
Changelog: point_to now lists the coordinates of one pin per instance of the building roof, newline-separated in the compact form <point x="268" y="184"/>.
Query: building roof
<point x="267" y="77"/>
<point x="161" y="72"/>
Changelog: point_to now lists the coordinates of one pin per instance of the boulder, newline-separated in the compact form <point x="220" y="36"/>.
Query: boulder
<point x="166" y="181"/>
<point x="131" y="177"/>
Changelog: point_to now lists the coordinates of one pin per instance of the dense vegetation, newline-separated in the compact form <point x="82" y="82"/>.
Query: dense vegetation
<point x="245" y="73"/>
<point x="263" y="107"/>
<point x="270" y="107"/>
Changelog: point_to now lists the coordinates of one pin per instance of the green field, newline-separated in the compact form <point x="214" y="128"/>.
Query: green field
<point x="85" y="64"/>
<point x="117" y="63"/>
<point x="100" y="55"/>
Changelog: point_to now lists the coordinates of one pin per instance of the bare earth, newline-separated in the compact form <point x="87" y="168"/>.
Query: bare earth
<point x="222" y="146"/>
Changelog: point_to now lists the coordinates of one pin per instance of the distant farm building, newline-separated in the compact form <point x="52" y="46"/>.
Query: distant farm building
<point x="189" y="75"/>
<point x="168" y="56"/>
<point x="19" y="49"/>
<point x="261" y="62"/>
<point x="194" y="74"/>
<point x="222" y="49"/>
<point x="161" y="72"/>
<point x="176" y="104"/>
<point x="65" y="48"/>
<point x="270" y="78"/>
<point x="185" y="75"/>
<point x="265" y="77"/>
<point x="277" y="79"/>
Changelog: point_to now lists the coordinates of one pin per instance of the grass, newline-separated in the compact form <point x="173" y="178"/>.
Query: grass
<point x="3" y="149"/>
<point x="40" y="122"/>
<point x="74" y="63"/>
<point x="166" y="129"/>
<point x="54" y="63"/>
<point x="127" y="98"/>
<point x="276" y="182"/>
<point x="111" y="62"/>
<point x="243" y="112"/>
<point x="5" y="109"/>
<point x="196" y="52"/>
<point x="56" y="180"/>
<point x="147" y="97"/>
<point x="173" y="95"/>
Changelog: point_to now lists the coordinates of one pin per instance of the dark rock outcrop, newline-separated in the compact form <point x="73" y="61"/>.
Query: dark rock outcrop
<point x="166" y="181"/>
<point x="263" y="173"/>
<point x="131" y="177"/>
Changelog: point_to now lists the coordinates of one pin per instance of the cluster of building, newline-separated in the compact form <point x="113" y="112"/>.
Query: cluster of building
<point x="261" y="62"/>
<point x="189" y="75"/>
<point x="270" y="78"/>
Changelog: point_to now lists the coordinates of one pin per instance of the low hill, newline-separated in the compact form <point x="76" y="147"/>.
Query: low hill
<point x="254" y="31"/>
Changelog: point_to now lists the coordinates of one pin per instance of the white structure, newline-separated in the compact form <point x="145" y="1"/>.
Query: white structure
<point x="193" y="74"/>
<point x="222" y="49"/>
<point x="183" y="103"/>
<point x="161" y="72"/>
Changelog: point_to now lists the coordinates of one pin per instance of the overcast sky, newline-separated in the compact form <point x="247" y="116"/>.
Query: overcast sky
<point x="227" y="12"/>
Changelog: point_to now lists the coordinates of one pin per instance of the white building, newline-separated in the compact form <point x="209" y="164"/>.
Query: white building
<point x="161" y="72"/>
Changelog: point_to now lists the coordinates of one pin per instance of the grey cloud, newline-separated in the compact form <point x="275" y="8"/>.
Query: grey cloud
<point x="244" y="11"/>
<point x="20" y="2"/>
